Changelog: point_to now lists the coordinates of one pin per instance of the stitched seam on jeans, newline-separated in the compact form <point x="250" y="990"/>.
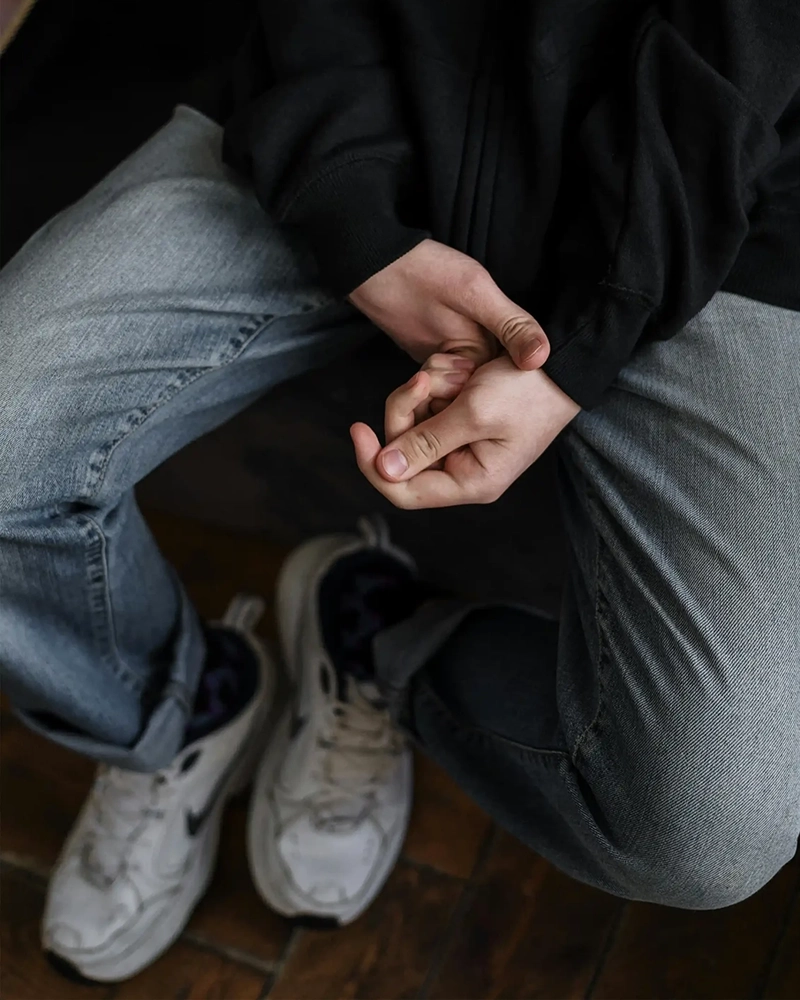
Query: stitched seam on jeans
<point x="99" y="462"/>
<point x="100" y="607"/>
<point x="478" y="734"/>
<point x="603" y="654"/>
<point x="100" y="603"/>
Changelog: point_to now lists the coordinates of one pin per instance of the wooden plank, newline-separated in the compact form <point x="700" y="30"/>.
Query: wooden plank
<point x="447" y="828"/>
<point x="42" y="787"/>
<point x="784" y="976"/>
<point x="187" y="972"/>
<point x="385" y="953"/>
<point x="232" y="914"/>
<point x="24" y="972"/>
<point x="696" y="954"/>
<point x="530" y="932"/>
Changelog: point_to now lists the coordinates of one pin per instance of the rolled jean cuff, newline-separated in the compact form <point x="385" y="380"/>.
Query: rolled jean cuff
<point x="402" y="650"/>
<point x="163" y="732"/>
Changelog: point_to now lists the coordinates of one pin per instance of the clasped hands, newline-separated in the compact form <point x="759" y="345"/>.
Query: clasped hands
<point x="479" y="412"/>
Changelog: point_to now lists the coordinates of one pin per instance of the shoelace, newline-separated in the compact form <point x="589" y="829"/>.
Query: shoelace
<point x="123" y="806"/>
<point x="359" y="751"/>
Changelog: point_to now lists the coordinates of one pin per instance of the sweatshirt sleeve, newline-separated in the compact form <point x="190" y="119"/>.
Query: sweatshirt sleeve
<point x="668" y="160"/>
<point x="325" y="141"/>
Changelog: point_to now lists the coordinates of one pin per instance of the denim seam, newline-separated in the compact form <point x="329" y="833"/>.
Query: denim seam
<point x="100" y="608"/>
<point x="477" y="734"/>
<point x="603" y="657"/>
<point x="98" y="463"/>
<point x="100" y="603"/>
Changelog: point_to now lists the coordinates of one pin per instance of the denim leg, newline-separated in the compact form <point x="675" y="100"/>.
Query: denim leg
<point x="140" y="318"/>
<point x="648" y="743"/>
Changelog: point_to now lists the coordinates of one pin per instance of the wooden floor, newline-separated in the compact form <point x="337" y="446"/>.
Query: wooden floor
<point x="468" y="912"/>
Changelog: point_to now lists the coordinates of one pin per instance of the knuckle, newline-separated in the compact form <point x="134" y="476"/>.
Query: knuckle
<point x="514" y="329"/>
<point x="438" y="360"/>
<point x="425" y="444"/>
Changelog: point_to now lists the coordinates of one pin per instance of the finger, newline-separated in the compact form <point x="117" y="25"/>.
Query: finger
<point x="421" y="446"/>
<point x="444" y="388"/>
<point x="463" y="337"/>
<point x="367" y="446"/>
<point x="463" y="481"/>
<point x="448" y="374"/>
<point x="437" y="405"/>
<point x="446" y="385"/>
<point x="442" y="377"/>
<point x="518" y="332"/>
<point x="399" y="415"/>
<point x="449" y="363"/>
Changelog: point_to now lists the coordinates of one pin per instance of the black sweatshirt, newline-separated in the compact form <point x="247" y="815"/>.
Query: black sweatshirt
<point x="613" y="163"/>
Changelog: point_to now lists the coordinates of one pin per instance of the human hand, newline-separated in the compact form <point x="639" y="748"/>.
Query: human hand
<point x="435" y="299"/>
<point x="496" y="427"/>
<point x="427" y="393"/>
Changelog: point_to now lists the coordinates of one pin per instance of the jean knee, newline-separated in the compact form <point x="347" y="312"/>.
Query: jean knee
<point x="710" y="882"/>
<point x="721" y="858"/>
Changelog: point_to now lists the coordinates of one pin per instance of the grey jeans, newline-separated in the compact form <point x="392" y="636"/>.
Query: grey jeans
<point x="647" y="743"/>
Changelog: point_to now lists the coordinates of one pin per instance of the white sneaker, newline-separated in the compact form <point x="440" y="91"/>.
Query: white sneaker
<point x="142" y="851"/>
<point x="332" y="796"/>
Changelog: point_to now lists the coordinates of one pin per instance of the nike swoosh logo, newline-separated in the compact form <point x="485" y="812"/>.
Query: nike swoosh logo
<point x="195" y="820"/>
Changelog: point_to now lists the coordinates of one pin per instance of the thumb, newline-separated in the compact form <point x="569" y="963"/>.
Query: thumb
<point x="422" y="446"/>
<point x="518" y="332"/>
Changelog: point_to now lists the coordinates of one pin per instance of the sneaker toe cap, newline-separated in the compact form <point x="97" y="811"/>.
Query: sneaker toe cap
<point x="330" y="868"/>
<point x="80" y="917"/>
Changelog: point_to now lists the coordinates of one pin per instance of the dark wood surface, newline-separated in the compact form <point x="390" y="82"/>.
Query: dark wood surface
<point x="468" y="913"/>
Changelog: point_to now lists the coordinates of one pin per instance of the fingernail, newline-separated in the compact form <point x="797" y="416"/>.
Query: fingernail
<point x="457" y="377"/>
<point x="463" y="363"/>
<point x="538" y="345"/>
<point x="394" y="463"/>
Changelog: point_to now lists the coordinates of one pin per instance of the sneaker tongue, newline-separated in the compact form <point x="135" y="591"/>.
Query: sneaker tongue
<point x="367" y="690"/>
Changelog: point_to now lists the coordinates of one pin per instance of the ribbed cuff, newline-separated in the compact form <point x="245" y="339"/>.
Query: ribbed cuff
<point x="349" y="219"/>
